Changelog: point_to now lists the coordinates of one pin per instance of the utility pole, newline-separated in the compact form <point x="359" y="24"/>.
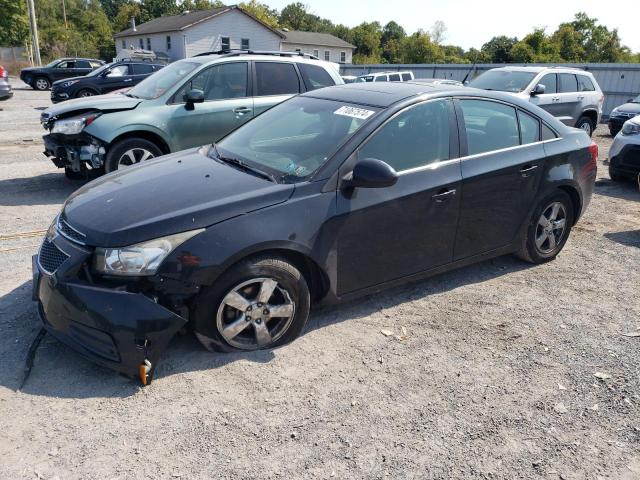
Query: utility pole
<point x="34" y="32"/>
<point x="64" y="14"/>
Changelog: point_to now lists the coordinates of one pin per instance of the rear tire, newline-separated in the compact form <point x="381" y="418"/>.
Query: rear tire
<point x="41" y="83"/>
<point x="130" y="151"/>
<point x="548" y="228"/>
<point x="585" y="123"/>
<point x="615" y="176"/>
<point x="231" y="315"/>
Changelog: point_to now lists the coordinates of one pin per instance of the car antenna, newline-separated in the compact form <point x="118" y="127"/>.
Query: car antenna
<point x="31" y="355"/>
<point x="468" y="73"/>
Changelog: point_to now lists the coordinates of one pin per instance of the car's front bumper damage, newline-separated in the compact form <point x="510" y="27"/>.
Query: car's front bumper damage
<point x="74" y="151"/>
<point x="113" y="327"/>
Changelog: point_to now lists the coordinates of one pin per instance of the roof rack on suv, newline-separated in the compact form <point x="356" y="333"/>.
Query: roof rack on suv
<point x="275" y="53"/>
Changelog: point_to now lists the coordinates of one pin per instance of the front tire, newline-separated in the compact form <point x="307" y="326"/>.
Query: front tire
<point x="85" y="92"/>
<point x="41" y="83"/>
<point x="585" y="123"/>
<point x="130" y="151"/>
<point x="615" y="176"/>
<point x="548" y="228"/>
<point x="259" y="303"/>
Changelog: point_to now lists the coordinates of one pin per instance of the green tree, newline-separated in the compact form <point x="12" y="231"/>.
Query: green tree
<point x="294" y="16"/>
<point x="262" y="12"/>
<point x="498" y="49"/>
<point x="14" y="25"/>
<point x="391" y="42"/>
<point x="474" y="55"/>
<point x="419" y="48"/>
<point x="522" y="52"/>
<point x="568" y="43"/>
<point x="366" y="37"/>
<point x="126" y="12"/>
<point x="150" y="9"/>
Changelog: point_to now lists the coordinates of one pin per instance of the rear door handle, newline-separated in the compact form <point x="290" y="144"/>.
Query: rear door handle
<point x="128" y="80"/>
<point x="242" y="110"/>
<point x="527" y="170"/>
<point x="444" y="195"/>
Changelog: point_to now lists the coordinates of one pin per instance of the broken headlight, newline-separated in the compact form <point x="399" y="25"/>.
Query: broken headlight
<point x="139" y="259"/>
<point x="74" y="125"/>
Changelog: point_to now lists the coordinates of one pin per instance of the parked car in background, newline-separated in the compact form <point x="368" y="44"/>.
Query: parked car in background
<point x="438" y="81"/>
<point x="386" y="77"/>
<point x="105" y="79"/>
<point x="624" y="153"/>
<point x="621" y="114"/>
<point x="569" y="94"/>
<point x="188" y="103"/>
<point x="41" y="78"/>
<point x="331" y="195"/>
<point x="349" y="78"/>
<point x="5" y="87"/>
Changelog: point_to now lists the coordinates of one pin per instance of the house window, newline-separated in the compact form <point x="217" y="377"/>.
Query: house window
<point x="225" y="43"/>
<point x="141" y="44"/>
<point x="343" y="57"/>
<point x="316" y="53"/>
<point x="327" y="55"/>
<point x="124" y="44"/>
<point x="244" y="44"/>
<point x="168" y="42"/>
<point x="148" y="43"/>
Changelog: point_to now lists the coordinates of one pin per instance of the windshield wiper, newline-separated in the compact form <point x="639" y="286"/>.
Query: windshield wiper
<point x="130" y="95"/>
<point x="242" y="165"/>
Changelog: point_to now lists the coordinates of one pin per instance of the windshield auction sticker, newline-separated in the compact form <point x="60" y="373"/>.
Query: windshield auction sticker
<point x="354" y="112"/>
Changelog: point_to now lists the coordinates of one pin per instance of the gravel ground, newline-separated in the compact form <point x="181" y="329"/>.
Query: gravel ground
<point x="499" y="370"/>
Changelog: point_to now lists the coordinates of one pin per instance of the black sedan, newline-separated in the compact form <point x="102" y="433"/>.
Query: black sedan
<point x="333" y="194"/>
<point x="105" y="79"/>
<point x="621" y="114"/>
<point x="41" y="78"/>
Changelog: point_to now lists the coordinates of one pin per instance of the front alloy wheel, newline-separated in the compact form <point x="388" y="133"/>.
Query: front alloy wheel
<point x="130" y="151"/>
<point x="262" y="302"/>
<point x="133" y="156"/>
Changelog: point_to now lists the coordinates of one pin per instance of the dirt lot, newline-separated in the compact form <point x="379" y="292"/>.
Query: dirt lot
<point x="496" y="377"/>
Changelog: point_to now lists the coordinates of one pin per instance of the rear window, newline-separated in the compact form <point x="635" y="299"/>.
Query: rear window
<point x="529" y="128"/>
<point x="406" y="77"/>
<point x="585" y="84"/>
<point x="315" y="77"/>
<point x="547" y="133"/>
<point x="568" y="82"/>
<point x="276" y="79"/>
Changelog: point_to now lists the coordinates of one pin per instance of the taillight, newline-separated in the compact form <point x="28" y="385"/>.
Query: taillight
<point x="602" y="100"/>
<point x="3" y="72"/>
<point x="593" y="164"/>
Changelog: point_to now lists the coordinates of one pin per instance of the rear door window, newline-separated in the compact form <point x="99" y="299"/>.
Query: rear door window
<point x="529" y="128"/>
<point x="547" y="133"/>
<point x="406" y="77"/>
<point x="490" y="126"/>
<point x="315" y="77"/>
<point x="82" y="64"/>
<point x="585" y="84"/>
<point x="568" y="83"/>
<point x="395" y="77"/>
<point x="142" y="69"/>
<point x="550" y="83"/>
<point x="381" y="78"/>
<point x="273" y="78"/>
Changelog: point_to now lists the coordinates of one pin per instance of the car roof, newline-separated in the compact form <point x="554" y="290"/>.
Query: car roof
<point x="538" y="69"/>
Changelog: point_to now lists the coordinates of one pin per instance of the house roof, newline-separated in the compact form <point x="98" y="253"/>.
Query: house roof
<point x="313" y="38"/>
<point x="185" y="20"/>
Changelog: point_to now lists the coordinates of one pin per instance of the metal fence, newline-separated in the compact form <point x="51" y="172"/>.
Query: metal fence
<point x="618" y="81"/>
<point x="12" y="53"/>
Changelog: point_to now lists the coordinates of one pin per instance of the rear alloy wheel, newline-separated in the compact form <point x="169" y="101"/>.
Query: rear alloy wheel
<point x="260" y="303"/>
<point x="584" y="123"/>
<point x="41" y="83"/>
<point x="85" y="92"/>
<point x="548" y="229"/>
<point x="130" y="151"/>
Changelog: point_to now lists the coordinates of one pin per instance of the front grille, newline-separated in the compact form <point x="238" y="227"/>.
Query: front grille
<point x="69" y="232"/>
<point x="51" y="257"/>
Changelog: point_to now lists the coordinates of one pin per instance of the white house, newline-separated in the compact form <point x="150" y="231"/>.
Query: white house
<point x="224" y="28"/>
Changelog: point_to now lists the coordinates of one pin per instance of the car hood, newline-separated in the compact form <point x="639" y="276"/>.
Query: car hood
<point x="175" y="193"/>
<point x="32" y="69"/>
<point x="629" y="108"/>
<point x="102" y="103"/>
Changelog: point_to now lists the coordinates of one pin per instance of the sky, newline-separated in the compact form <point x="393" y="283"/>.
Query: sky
<point x="471" y="23"/>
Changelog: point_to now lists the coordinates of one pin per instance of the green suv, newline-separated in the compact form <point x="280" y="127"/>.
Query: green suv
<point x="189" y="103"/>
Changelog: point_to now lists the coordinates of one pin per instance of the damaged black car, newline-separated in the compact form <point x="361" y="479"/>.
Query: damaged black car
<point x="328" y="196"/>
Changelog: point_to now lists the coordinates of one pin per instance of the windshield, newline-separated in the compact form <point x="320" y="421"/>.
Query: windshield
<point x="162" y="80"/>
<point x="98" y="71"/>
<point x="635" y="100"/>
<point x="51" y="64"/>
<point x="503" y="80"/>
<point x="292" y="140"/>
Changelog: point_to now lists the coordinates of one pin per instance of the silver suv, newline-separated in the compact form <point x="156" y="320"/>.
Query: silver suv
<point x="570" y="94"/>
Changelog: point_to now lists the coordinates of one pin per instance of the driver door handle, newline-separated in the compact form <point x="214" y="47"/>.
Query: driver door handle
<point x="444" y="195"/>
<point x="128" y="80"/>
<point x="242" y="110"/>
<point x="527" y="170"/>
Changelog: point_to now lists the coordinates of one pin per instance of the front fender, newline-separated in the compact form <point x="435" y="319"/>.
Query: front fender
<point x="103" y="128"/>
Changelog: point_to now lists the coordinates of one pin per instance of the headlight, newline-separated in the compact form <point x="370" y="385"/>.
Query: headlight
<point x="140" y="259"/>
<point x="614" y="111"/>
<point x="69" y="83"/>
<point x="73" y="126"/>
<point x="631" y="128"/>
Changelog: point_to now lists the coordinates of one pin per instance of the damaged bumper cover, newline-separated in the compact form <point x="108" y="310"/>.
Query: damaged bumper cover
<point x="74" y="151"/>
<point x="114" y="328"/>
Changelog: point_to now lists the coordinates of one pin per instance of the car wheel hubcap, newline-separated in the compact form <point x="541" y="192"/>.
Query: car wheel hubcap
<point x="586" y="127"/>
<point x="42" y="84"/>
<point x="133" y="156"/>
<point x="551" y="227"/>
<point x="255" y="314"/>
<point x="86" y="94"/>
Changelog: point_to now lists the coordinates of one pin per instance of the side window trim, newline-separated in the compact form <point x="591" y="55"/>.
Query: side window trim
<point x="454" y="152"/>
<point x="520" y="112"/>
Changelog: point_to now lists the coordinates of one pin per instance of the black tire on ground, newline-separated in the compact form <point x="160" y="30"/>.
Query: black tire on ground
<point x="530" y="251"/>
<point x="41" y="83"/>
<point x="85" y="92"/>
<point x="210" y="301"/>
<point x="135" y="144"/>
<point x="613" y="132"/>
<point x="71" y="175"/>
<point x="615" y="175"/>
<point x="585" y="123"/>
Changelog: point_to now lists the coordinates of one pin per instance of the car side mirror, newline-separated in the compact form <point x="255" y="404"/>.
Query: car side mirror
<point x="192" y="97"/>
<point x="466" y="82"/>
<point x="370" y="173"/>
<point x="539" y="89"/>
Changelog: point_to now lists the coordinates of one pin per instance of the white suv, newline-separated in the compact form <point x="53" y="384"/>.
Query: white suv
<point x="386" y="77"/>
<point x="570" y="94"/>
